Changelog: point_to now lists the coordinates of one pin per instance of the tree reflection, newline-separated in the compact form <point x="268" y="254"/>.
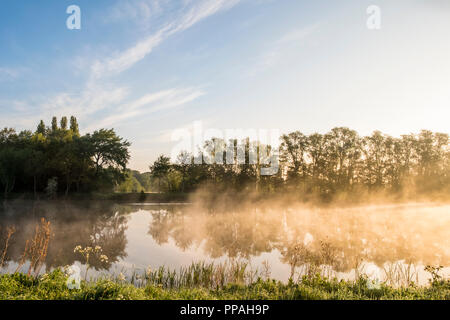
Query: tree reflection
<point x="340" y="239"/>
<point x="300" y="237"/>
<point x="72" y="224"/>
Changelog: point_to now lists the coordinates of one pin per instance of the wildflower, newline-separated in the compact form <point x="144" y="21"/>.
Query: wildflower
<point x="121" y="277"/>
<point x="103" y="258"/>
<point x="374" y="284"/>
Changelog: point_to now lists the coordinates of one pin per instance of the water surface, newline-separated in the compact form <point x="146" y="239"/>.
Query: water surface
<point x="376" y="240"/>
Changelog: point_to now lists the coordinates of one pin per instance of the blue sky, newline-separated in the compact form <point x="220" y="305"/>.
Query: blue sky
<point x="149" y="67"/>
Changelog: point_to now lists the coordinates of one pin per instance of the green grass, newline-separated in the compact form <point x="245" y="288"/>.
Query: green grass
<point x="53" y="286"/>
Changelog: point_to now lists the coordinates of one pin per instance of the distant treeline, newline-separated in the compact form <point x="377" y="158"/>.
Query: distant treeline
<point x="57" y="158"/>
<point x="339" y="161"/>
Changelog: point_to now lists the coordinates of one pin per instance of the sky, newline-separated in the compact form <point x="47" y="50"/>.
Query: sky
<point x="150" y="67"/>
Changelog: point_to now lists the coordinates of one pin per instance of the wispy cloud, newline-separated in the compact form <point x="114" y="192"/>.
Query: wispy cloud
<point x="148" y="104"/>
<point x="89" y="101"/>
<point x="200" y="11"/>
<point x="7" y="74"/>
<point x="193" y="12"/>
<point x="124" y="60"/>
<point x="139" y="11"/>
<point x="83" y="105"/>
<point x="286" y="42"/>
<point x="297" y="34"/>
<point x="96" y="95"/>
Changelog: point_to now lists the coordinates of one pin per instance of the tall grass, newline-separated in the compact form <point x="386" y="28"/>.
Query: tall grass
<point x="9" y="232"/>
<point x="197" y="282"/>
<point x="197" y="275"/>
<point x="309" y="268"/>
<point x="35" y="250"/>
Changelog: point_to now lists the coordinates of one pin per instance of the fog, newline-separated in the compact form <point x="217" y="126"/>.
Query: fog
<point x="391" y="241"/>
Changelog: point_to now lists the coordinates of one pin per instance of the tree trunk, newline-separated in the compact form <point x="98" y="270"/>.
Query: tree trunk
<point x="34" y="186"/>
<point x="67" y="186"/>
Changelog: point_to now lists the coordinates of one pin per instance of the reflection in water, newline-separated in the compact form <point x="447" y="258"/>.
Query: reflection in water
<point x="71" y="225"/>
<point x="293" y="241"/>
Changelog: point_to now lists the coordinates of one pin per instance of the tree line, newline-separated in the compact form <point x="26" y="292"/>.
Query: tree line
<point x="340" y="161"/>
<point x="57" y="159"/>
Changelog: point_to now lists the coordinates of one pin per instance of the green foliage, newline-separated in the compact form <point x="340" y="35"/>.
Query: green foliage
<point x="160" y="170"/>
<point x="74" y="126"/>
<point x="130" y="183"/>
<point x="135" y="182"/>
<point x="28" y="161"/>
<point x="53" y="286"/>
<point x="328" y="166"/>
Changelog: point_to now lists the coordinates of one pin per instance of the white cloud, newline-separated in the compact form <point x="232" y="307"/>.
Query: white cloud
<point x="91" y="100"/>
<point x="147" y="104"/>
<point x="124" y="60"/>
<point x="139" y="11"/>
<point x="127" y="58"/>
<point x="200" y="11"/>
<point x="95" y="95"/>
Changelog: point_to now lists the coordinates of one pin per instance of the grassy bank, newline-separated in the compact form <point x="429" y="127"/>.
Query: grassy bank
<point x="53" y="286"/>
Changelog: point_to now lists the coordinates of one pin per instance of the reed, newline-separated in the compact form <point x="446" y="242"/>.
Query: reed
<point x="196" y="275"/>
<point x="9" y="232"/>
<point x="400" y="275"/>
<point x="36" y="249"/>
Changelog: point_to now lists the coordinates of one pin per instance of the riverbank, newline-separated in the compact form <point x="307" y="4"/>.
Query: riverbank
<point x="53" y="286"/>
<point x="111" y="196"/>
<point x="227" y="200"/>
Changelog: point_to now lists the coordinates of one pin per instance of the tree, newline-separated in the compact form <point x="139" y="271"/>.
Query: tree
<point x="63" y="123"/>
<point x="377" y="159"/>
<point x="160" y="170"/>
<point x="34" y="167"/>
<point x="316" y="152"/>
<point x="54" y="124"/>
<point x="130" y="184"/>
<point x="337" y="163"/>
<point x="91" y="162"/>
<point x="108" y="150"/>
<point x="10" y="159"/>
<point x="184" y="162"/>
<point x="41" y="128"/>
<point x="74" y="126"/>
<point x="343" y="153"/>
<point x="293" y="148"/>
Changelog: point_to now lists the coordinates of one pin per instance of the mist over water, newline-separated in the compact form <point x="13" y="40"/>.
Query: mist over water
<point x="379" y="240"/>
